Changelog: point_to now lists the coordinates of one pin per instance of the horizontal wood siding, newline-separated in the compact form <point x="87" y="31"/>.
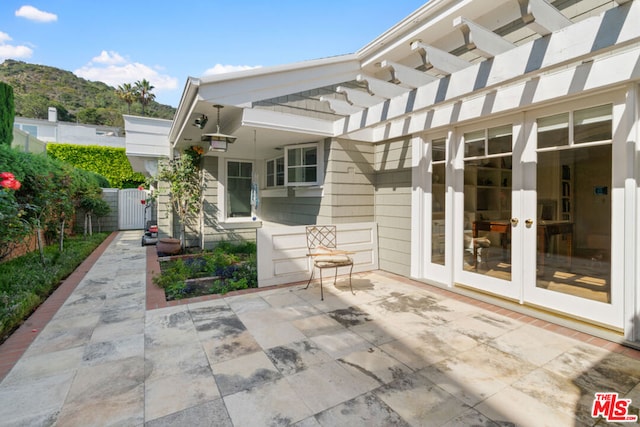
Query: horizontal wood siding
<point x="349" y="182"/>
<point x="290" y="210"/>
<point x="393" y="205"/>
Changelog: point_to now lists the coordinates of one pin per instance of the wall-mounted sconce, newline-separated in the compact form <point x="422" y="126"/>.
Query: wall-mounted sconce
<point x="218" y="141"/>
<point x="201" y="121"/>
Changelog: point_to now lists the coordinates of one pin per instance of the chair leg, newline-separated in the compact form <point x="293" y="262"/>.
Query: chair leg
<point x="350" y="286"/>
<point x="321" y="291"/>
<point x="310" y="278"/>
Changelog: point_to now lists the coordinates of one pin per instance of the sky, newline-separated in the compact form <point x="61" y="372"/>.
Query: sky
<point x="165" y="41"/>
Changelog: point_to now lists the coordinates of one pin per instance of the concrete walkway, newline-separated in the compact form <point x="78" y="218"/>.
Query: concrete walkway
<point x="396" y="353"/>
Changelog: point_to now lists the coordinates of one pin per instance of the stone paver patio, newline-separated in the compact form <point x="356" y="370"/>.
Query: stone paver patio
<point x="395" y="353"/>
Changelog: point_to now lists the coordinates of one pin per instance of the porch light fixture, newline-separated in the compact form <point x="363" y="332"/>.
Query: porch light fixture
<point x="218" y="141"/>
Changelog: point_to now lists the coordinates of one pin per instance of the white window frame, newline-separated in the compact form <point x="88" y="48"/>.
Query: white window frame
<point x="224" y="194"/>
<point x="319" y="165"/>
<point x="275" y="173"/>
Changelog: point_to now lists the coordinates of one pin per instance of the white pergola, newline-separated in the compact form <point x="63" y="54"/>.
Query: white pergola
<point x="440" y="55"/>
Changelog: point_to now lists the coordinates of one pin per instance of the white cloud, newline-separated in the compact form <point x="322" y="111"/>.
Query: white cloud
<point x="111" y="58"/>
<point x="113" y="69"/>
<point x="221" y="69"/>
<point x="33" y="14"/>
<point x="12" y="51"/>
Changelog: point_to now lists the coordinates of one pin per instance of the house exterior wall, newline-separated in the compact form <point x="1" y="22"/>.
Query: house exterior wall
<point x="392" y="201"/>
<point x="349" y="183"/>
<point x="72" y="133"/>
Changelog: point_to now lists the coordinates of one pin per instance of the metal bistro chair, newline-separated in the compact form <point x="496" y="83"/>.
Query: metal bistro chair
<point x="321" y="242"/>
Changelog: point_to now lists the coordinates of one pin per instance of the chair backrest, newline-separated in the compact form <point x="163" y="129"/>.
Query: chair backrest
<point x="321" y="235"/>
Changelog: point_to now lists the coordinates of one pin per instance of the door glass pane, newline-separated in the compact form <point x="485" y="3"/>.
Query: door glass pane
<point x="574" y="222"/>
<point x="487" y="206"/>
<point x="553" y="131"/>
<point x="438" y="190"/>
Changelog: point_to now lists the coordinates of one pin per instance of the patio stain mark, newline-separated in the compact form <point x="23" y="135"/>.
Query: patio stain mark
<point x="400" y="303"/>
<point x="230" y="384"/>
<point x="498" y="322"/>
<point x="88" y="298"/>
<point x="363" y="370"/>
<point x="286" y="360"/>
<point x="228" y="326"/>
<point x="176" y="319"/>
<point x="280" y="420"/>
<point x="367" y="409"/>
<point x="348" y="317"/>
<point x="208" y="311"/>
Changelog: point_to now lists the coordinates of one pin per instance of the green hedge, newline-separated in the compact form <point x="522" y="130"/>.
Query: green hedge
<point x="110" y="162"/>
<point x="7" y="113"/>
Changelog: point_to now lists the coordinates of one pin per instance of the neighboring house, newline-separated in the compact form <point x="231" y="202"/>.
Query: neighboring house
<point x="52" y="130"/>
<point x="494" y="144"/>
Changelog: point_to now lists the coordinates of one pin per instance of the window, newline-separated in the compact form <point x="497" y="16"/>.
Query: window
<point x="553" y="131"/>
<point x="275" y="172"/>
<point x="578" y="127"/>
<point x="239" y="189"/>
<point x="301" y="167"/>
<point x="30" y="129"/>
<point x="488" y="141"/>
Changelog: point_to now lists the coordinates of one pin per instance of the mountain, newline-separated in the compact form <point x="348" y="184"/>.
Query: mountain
<point x="38" y="87"/>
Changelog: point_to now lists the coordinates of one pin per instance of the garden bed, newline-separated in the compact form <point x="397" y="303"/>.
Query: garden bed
<point x="228" y="268"/>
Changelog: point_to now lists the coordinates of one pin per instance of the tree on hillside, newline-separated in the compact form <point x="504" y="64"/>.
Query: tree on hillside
<point x="126" y="93"/>
<point x="143" y="90"/>
<point x="7" y="114"/>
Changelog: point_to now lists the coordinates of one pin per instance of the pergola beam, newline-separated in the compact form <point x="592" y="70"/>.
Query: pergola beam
<point x="480" y="39"/>
<point x="541" y="17"/>
<point x="439" y="59"/>
<point x="406" y="75"/>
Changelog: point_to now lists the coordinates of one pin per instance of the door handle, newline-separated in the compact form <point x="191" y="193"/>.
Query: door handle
<point x="514" y="221"/>
<point x="528" y="223"/>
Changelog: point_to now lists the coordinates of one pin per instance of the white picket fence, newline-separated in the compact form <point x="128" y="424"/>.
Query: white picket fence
<point x="282" y="251"/>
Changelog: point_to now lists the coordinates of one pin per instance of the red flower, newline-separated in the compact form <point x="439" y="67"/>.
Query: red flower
<point x="9" y="181"/>
<point x="143" y="201"/>
<point x="141" y="187"/>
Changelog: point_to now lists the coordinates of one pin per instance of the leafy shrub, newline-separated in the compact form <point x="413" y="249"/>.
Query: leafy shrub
<point x="233" y="265"/>
<point x="51" y="190"/>
<point x="25" y="282"/>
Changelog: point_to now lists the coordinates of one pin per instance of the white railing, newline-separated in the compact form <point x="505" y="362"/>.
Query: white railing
<point x="282" y="251"/>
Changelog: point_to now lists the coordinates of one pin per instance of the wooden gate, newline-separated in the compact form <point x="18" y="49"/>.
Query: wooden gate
<point x="131" y="212"/>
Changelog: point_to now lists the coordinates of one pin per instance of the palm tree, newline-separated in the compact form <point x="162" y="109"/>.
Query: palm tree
<point x="143" y="93"/>
<point x="126" y="93"/>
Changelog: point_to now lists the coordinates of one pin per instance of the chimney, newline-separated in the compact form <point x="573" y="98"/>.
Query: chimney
<point x="53" y="114"/>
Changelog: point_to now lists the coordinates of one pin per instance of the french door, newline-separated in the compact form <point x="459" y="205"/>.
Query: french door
<point x="535" y="212"/>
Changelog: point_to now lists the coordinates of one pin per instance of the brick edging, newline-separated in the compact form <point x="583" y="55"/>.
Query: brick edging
<point x="14" y="347"/>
